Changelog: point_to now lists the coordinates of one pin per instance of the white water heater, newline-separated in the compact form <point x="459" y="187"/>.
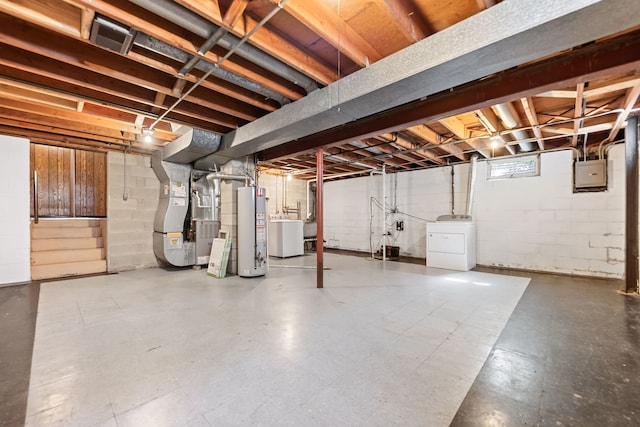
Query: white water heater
<point x="252" y="232"/>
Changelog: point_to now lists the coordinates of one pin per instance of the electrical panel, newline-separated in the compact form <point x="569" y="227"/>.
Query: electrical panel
<point x="590" y="174"/>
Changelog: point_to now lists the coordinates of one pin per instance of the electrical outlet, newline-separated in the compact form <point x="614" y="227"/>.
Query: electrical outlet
<point x="399" y="225"/>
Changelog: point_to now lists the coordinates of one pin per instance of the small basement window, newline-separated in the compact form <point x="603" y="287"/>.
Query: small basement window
<point x="514" y="167"/>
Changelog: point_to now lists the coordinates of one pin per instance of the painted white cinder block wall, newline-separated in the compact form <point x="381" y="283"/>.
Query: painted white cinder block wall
<point x="534" y="223"/>
<point x="15" y="251"/>
<point x="283" y="193"/>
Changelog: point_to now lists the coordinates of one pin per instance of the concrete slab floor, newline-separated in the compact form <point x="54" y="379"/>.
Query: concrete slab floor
<point x="568" y="355"/>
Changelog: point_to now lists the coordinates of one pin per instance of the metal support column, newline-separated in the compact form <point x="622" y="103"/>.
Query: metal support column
<point x="631" y="218"/>
<point x="319" y="219"/>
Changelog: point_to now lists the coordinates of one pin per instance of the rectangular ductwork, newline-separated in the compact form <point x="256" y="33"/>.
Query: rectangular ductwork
<point x="111" y="35"/>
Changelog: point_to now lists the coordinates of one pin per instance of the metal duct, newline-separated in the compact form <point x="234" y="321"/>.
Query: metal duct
<point x="190" y="146"/>
<point x="210" y="162"/>
<point x="176" y="54"/>
<point x="507" y="114"/>
<point x="204" y="28"/>
<point x="471" y="187"/>
<point x="492" y="41"/>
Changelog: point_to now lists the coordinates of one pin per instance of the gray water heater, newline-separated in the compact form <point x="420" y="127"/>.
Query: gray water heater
<point x="252" y="232"/>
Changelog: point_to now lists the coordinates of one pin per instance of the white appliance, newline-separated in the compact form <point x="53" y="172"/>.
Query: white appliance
<point x="286" y="238"/>
<point x="252" y="236"/>
<point x="451" y="243"/>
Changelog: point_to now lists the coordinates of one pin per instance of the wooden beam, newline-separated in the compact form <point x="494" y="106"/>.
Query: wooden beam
<point x="629" y="103"/>
<point x="288" y="53"/>
<point x="424" y="156"/>
<point x="67" y="140"/>
<point x="492" y="124"/>
<point x="234" y="12"/>
<point x="82" y="55"/>
<point x="209" y="9"/>
<point x="55" y="15"/>
<point x="215" y="84"/>
<point x="456" y="126"/>
<point x="88" y="89"/>
<point x="532" y="117"/>
<point x="86" y="21"/>
<point x="48" y="129"/>
<point x="477" y="145"/>
<point x="122" y="12"/>
<point x="21" y="93"/>
<point x="625" y="84"/>
<point x="432" y="137"/>
<point x="405" y="15"/>
<point x="578" y="112"/>
<point x="269" y="42"/>
<point x="320" y="19"/>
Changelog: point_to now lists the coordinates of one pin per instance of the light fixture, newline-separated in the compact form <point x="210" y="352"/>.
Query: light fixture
<point x="495" y="141"/>
<point x="147" y="135"/>
<point x="289" y="176"/>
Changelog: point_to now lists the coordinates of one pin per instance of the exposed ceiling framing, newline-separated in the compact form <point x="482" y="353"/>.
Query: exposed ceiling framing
<point x="58" y="87"/>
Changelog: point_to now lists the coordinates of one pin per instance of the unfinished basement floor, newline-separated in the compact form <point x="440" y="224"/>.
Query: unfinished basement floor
<point x="382" y="344"/>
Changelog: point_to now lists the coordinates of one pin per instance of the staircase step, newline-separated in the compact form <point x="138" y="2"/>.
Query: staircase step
<point x="65" y="232"/>
<point x="66" y="269"/>
<point x="65" y="244"/>
<point x="63" y="256"/>
<point x="66" y="223"/>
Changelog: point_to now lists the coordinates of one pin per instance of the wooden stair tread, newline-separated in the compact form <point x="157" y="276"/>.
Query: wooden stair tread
<point x="67" y="269"/>
<point x="67" y="223"/>
<point x="65" y="232"/>
<point x="67" y="255"/>
<point x="38" y="245"/>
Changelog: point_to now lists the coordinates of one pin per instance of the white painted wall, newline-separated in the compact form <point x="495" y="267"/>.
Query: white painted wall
<point x="130" y="222"/>
<point x="534" y="223"/>
<point x="283" y="193"/>
<point x="15" y="250"/>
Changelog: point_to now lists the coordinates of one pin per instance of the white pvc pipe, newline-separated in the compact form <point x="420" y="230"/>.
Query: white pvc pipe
<point x="472" y="183"/>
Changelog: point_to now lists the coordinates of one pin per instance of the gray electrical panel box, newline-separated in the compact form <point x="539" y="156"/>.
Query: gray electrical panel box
<point x="590" y="174"/>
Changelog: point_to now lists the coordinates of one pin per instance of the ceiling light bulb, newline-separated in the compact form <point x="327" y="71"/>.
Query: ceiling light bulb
<point x="289" y="177"/>
<point x="147" y="135"/>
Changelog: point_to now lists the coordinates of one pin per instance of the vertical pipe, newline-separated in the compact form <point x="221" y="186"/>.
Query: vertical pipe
<point x="319" y="219"/>
<point x="35" y="197"/>
<point x="631" y="218"/>
<point x="471" y="187"/>
<point x="384" y="215"/>
<point x="453" y="191"/>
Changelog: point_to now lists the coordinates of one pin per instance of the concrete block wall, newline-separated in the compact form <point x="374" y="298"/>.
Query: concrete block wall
<point x="283" y="192"/>
<point x="15" y="182"/>
<point x="538" y="223"/>
<point x="534" y="223"/>
<point x="413" y="198"/>
<point x="130" y="222"/>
